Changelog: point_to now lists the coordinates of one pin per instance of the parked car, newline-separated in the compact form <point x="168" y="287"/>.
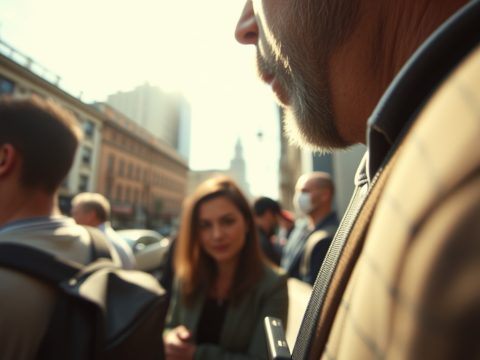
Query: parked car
<point x="149" y="248"/>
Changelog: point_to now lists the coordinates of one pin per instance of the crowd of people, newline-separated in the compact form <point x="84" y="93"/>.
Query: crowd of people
<point x="223" y="284"/>
<point x="399" y="278"/>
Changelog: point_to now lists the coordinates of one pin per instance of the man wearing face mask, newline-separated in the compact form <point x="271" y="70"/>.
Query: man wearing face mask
<point x="307" y="246"/>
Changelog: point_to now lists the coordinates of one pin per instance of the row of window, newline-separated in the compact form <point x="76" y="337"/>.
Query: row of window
<point x="139" y="149"/>
<point x="126" y="194"/>
<point x="134" y="172"/>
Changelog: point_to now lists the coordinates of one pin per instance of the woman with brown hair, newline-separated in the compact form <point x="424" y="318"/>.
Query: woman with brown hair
<point x="224" y="287"/>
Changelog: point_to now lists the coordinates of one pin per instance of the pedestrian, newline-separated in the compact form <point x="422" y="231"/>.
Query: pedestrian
<point x="224" y="288"/>
<point x="93" y="209"/>
<point x="308" y="245"/>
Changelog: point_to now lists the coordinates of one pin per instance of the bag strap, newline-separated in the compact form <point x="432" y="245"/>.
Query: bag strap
<point x="98" y="247"/>
<point x="336" y="270"/>
<point x="46" y="266"/>
<point x="313" y="239"/>
<point x="37" y="263"/>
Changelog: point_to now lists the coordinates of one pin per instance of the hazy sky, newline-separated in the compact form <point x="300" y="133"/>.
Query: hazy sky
<point x="100" y="47"/>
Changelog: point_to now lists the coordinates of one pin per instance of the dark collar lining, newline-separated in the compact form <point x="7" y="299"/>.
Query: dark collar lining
<point x="416" y="81"/>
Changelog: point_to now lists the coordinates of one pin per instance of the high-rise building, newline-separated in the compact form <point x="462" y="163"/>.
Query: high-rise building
<point x="165" y="115"/>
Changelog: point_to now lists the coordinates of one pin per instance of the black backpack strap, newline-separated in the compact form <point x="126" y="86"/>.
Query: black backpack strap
<point x="46" y="266"/>
<point x="37" y="263"/>
<point x="99" y="247"/>
<point x="313" y="239"/>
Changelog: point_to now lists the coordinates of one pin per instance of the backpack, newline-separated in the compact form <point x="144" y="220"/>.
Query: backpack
<point x="102" y="311"/>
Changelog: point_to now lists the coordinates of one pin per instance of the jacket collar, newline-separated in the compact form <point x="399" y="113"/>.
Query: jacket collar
<point x="416" y="81"/>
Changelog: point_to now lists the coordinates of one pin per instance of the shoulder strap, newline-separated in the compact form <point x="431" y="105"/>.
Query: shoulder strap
<point x="312" y="240"/>
<point x="336" y="270"/>
<point x="46" y="266"/>
<point x="99" y="247"/>
<point x="37" y="263"/>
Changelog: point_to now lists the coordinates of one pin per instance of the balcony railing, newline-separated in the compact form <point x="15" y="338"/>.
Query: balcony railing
<point x="30" y="64"/>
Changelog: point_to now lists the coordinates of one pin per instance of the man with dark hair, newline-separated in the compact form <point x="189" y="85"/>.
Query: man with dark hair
<point x="93" y="209"/>
<point x="403" y="77"/>
<point x="38" y="140"/>
<point x="308" y="244"/>
<point x="266" y="212"/>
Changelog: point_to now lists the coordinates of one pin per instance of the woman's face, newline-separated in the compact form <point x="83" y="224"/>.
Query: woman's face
<point x="222" y="230"/>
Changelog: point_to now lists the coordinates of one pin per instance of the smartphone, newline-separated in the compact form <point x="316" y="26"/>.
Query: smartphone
<point x="276" y="342"/>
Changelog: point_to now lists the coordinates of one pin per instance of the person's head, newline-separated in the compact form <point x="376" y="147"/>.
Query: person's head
<point x="90" y="209"/>
<point x="329" y="61"/>
<point x="38" y="141"/>
<point x="266" y="213"/>
<point x="217" y="231"/>
<point x="314" y="194"/>
<point x="40" y="137"/>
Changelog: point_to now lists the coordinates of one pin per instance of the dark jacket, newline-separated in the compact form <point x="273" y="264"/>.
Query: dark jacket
<point x="294" y="254"/>
<point x="242" y="335"/>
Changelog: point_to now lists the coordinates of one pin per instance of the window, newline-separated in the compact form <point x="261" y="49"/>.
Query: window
<point x="86" y="155"/>
<point x="119" y="192"/>
<point x="130" y="171"/>
<point x="121" y="168"/>
<point x="83" y="183"/>
<point x="127" y="194"/>
<point x="111" y="163"/>
<point x="88" y="128"/>
<point x="6" y="86"/>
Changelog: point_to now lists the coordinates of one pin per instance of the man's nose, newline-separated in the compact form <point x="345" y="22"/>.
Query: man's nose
<point x="247" y="29"/>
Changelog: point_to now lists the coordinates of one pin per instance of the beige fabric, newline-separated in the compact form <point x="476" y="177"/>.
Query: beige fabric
<point x="298" y="295"/>
<point x="26" y="304"/>
<point x="415" y="292"/>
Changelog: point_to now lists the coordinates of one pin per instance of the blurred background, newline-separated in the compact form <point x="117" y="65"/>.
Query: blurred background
<point x="166" y="98"/>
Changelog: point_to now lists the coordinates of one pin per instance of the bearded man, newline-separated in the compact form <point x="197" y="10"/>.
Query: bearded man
<point x="402" y="77"/>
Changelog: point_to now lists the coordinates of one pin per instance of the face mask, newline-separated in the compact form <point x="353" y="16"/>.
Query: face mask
<point x="303" y="202"/>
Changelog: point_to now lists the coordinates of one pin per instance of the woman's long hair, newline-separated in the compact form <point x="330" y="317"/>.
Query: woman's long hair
<point x="194" y="268"/>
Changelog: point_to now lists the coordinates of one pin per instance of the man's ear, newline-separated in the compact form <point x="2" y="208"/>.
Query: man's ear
<point x="8" y="155"/>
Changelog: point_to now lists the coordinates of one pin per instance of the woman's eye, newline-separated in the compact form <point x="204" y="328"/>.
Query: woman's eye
<point x="228" y="221"/>
<point x="204" y="225"/>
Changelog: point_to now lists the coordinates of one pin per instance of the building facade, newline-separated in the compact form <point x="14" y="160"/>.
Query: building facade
<point x="19" y="76"/>
<point x="144" y="178"/>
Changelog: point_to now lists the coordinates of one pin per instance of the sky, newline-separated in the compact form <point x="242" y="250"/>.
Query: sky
<point x="100" y="47"/>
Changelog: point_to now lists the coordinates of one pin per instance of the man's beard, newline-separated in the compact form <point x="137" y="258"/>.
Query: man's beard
<point x="309" y="120"/>
<point x="300" y="65"/>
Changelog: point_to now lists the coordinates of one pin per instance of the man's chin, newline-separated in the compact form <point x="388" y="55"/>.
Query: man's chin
<point x="310" y="136"/>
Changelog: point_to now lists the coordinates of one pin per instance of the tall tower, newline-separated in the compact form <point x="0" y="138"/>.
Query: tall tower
<point x="238" y="169"/>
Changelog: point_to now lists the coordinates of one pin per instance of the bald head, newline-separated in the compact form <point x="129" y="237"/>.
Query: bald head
<point x="90" y="209"/>
<point x="315" y="180"/>
<point x="314" y="195"/>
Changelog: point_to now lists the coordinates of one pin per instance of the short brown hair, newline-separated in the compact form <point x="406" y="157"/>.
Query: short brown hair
<point x="44" y="134"/>
<point x="193" y="267"/>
